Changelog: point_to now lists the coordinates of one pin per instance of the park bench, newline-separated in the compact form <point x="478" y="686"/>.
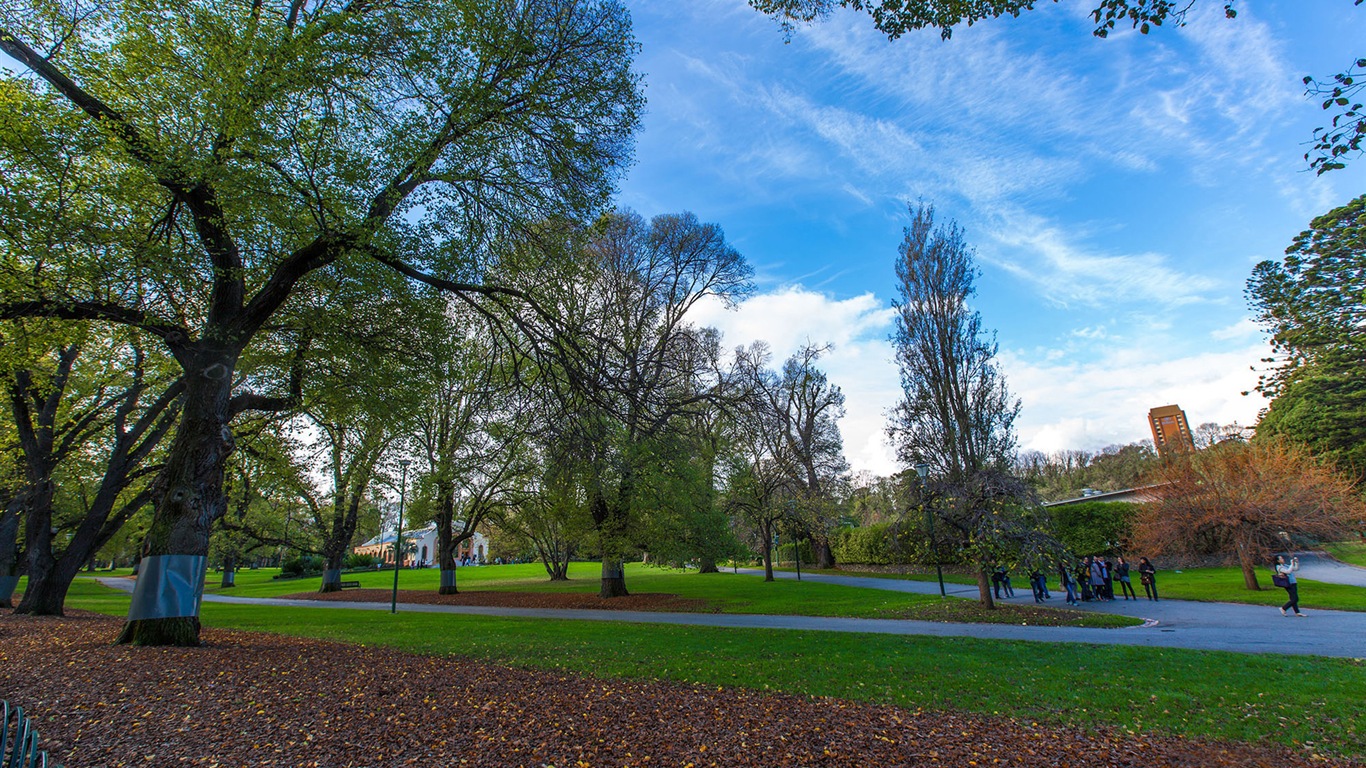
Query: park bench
<point x="350" y="585"/>
<point x="19" y="740"/>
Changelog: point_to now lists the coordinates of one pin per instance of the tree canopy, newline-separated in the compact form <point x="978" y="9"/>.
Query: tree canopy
<point x="1245" y="501"/>
<point x="1313" y="304"/>
<point x="202" y="163"/>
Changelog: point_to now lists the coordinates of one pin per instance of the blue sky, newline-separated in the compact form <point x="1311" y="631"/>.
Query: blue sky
<point x="1118" y="192"/>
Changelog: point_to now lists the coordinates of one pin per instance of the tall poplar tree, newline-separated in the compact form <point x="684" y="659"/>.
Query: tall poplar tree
<point x="956" y="414"/>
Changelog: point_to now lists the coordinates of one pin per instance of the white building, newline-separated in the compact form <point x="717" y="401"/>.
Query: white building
<point x="420" y="545"/>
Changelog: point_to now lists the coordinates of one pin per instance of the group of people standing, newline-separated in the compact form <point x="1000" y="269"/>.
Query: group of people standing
<point x="1095" y="577"/>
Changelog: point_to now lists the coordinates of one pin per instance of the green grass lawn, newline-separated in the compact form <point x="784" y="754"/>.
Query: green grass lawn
<point x="1225" y="585"/>
<point x="1285" y="700"/>
<point x="1353" y="552"/>
<point x="1221" y="585"/>
<point x="724" y="592"/>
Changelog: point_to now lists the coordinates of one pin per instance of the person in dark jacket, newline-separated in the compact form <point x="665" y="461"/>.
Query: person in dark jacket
<point x="1147" y="574"/>
<point x="1122" y="574"/>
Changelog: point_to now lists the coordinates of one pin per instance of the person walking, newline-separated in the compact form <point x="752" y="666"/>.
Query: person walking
<point x="1038" y="582"/>
<point x="1125" y="586"/>
<point x="1069" y="583"/>
<point x="1292" y="589"/>
<point x="1147" y="575"/>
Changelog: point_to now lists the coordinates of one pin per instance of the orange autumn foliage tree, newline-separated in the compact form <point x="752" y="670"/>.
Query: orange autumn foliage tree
<point x="1245" y="499"/>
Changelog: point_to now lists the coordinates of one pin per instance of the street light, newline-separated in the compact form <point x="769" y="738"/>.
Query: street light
<point x="398" y="533"/>
<point x="923" y="470"/>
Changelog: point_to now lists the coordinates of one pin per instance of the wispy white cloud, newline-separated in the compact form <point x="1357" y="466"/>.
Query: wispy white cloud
<point x="1066" y="273"/>
<point x="1245" y="328"/>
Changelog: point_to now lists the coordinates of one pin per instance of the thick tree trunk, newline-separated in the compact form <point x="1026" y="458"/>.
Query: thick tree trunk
<point x="332" y="570"/>
<point x="984" y="588"/>
<point x="825" y="557"/>
<point x="47" y="596"/>
<point x="446" y="542"/>
<point x="9" y="552"/>
<point x="613" y="579"/>
<point x="610" y="523"/>
<point x="7" y="586"/>
<point x="187" y="498"/>
<point x="42" y="565"/>
<point x="229" y="572"/>
<point x="707" y="565"/>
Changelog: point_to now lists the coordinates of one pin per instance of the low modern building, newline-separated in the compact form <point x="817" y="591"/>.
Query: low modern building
<point x="419" y="548"/>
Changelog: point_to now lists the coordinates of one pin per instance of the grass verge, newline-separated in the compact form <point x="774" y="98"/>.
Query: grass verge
<point x="1295" y="701"/>
<point x="723" y="592"/>
<point x="1351" y="552"/>
<point x="1225" y="585"/>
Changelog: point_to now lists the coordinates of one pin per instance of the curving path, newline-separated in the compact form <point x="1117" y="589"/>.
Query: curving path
<point x="1319" y="567"/>
<point x="1173" y="623"/>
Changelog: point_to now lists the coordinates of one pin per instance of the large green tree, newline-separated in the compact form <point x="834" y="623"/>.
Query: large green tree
<point x="252" y="144"/>
<point x="639" y="363"/>
<point x="1313" y="303"/>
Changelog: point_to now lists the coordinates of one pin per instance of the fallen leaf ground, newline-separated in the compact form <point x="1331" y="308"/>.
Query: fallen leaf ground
<point x="248" y="699"/>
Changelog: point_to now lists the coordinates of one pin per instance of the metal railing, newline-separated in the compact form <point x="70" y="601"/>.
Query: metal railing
<point x="19" y="740"/>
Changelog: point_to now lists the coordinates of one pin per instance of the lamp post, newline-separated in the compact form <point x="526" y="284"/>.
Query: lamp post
<point x="398" y="533"/>
<point x="923" y="471"/>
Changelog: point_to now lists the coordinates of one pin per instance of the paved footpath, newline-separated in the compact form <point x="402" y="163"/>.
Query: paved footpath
<point x="1171" y="623"/>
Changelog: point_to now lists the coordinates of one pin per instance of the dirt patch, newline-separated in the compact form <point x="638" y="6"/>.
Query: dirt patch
<point x="248" y="699"/>
<point x="648" y="601"/>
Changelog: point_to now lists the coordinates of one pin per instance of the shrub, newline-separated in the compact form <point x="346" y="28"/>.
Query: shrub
<point x="869" y="545"/>
<point x="303" y="565"/>
<point x="354" y="561"/>
<point x="1094" y="527"/>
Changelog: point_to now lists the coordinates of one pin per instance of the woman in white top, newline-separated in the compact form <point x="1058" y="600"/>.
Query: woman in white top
<point x="1292" y="589"/>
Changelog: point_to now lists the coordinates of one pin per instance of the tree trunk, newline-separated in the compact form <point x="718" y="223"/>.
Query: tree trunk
<point x="1243" y="542"/>
<point x="767" y="551"/>
<point x="984" y="588"/>
<point x="560" y="571"/>
<point x="229" y="572"/>
<point x="446" y="542"/>
<point x="9" y="552"/>
<point x="707" y="565"/>
<point x="613" y="579"/>
<point x="187" y="498"/>
<point x="825" y="557"/>
<point x="46" y="596"/>
<point x="332" y="570"/>
<point x="7" y="587"/>
<point x="42" y="565"/>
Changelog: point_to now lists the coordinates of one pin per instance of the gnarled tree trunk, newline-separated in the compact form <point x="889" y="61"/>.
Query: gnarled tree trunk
<point x="188" y="497"/>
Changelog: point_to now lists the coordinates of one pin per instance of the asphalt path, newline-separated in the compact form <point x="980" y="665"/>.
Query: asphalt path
<point x="1168" y="623"/>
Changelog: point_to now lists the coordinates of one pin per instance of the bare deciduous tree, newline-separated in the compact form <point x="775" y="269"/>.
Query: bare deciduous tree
<point x="1245" y="500"/>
